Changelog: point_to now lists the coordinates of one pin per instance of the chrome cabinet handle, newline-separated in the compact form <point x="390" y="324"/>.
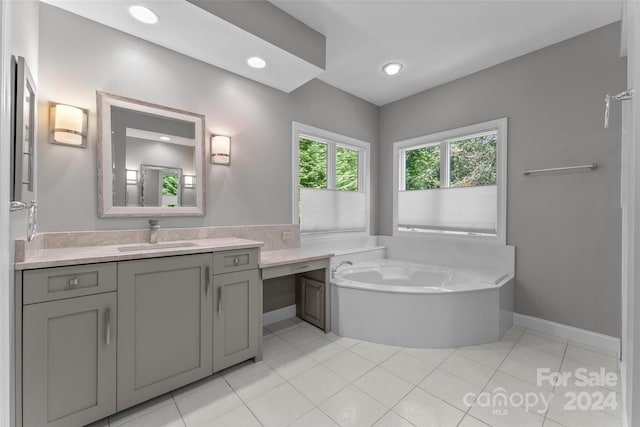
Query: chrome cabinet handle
<point x="207" y="281"/>
<point x="107" y="338"/>
<point x="17" y="206"/>
<point x="300" y="267"/>
<point x="219" y="300"/>
<point x="622" y="96"/>
<point x="236" y="261"/>
<point x="74" y="282"/>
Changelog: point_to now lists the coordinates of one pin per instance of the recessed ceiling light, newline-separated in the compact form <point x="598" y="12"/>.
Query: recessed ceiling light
<point x="165" y="138"/>
<point x="392" y="68"/>
<point x="143" y="14"/>
<point x="256" y="62"/>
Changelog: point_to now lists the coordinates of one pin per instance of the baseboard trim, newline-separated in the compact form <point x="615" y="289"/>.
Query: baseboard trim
<point x="580" y="336"/>
<point x="274" y="316"/>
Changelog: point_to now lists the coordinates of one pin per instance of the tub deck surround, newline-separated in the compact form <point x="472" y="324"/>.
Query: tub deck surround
<point x="410" y="305"/>
<point x="291" y="256"/>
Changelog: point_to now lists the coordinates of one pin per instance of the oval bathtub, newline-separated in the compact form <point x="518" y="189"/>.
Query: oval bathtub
<point x="413" y="305"/>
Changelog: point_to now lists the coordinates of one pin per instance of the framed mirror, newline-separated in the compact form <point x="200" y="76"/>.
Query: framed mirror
<point x="150" y="159"/>
<point x="23" y="132"/>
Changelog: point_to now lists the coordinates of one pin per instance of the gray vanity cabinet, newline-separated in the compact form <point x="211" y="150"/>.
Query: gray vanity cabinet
<point x="166" y="305"/>
<point x="312" y="301"/>
<point x="69" y="360"/>
<point x="237" y="323"/>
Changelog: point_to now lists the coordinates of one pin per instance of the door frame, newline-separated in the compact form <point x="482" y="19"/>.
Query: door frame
<point x="7" y="414"/>
<point x="630" y="185"/>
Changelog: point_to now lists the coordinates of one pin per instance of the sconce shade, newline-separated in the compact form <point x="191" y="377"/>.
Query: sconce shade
<point x="220" y="150"/>
<point x="68" y="125"/>
<point x="132" y="176"/>
<point x="189" y="181"/>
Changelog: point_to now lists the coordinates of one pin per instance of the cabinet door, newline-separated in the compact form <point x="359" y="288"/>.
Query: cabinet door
<point x="69" y="361"/>
<point x="237" y="319"/>
<point x="312" y="301"/>
<point x="165" y="309"/>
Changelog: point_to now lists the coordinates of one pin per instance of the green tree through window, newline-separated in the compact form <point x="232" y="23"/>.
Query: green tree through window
<point x="313" y="164"/>
<point x="346" y="169"/>
<point x="170" y="185"/>
<point x="471" y="162"/>
<point x="422" y="168"/>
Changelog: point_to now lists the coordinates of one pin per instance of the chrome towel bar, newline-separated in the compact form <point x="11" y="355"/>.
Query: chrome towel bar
<point x="592" y="166"/>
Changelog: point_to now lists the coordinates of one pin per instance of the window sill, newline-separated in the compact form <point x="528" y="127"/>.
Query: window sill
<point x="452" y="236"/>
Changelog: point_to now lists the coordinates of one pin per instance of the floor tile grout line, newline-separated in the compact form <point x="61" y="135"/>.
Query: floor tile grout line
<point x="306" y="413"/>
<point x="329" y="397"/>
<point x="173" y="398"/>
<point x="352" y="383"/>
<point x="245" y="404"/>
<point x="553" y="390"/>
<point x="398" y="350"/>
<point x="494" y="373"/>
<point x="375" y="365"/>
<point x="417" y="386"/>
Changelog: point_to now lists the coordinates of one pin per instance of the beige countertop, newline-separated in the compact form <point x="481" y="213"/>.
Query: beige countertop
<point x="290" y="256"/>
<point x="106" y="253"/>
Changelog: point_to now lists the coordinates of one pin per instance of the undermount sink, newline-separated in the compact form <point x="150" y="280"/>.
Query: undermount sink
<point x="156" y="246"/>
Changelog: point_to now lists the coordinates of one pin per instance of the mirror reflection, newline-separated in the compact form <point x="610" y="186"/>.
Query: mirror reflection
<point x="151" y="159"/>
<point x="151" y="155"/>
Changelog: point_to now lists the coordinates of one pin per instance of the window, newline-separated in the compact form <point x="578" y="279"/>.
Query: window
<point x="453" y="182"/>
<point x="465" y="161"/>
<point x="330" y="188"/>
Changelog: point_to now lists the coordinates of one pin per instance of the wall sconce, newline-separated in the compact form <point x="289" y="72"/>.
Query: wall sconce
<point x="220" y="150"/>
<point x="188" y="181"/>
<point x="67" y="125"/>
<point x="132" y="177"/>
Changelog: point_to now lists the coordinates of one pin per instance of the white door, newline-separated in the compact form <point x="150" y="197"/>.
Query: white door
<point x="5" y="150"/>
<point x="631" y="219"/>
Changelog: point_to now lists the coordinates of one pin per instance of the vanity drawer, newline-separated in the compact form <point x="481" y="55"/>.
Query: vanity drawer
<point x="49" y="284"/>
<point x="230" y="261"/>
<point x="294" y="268"/>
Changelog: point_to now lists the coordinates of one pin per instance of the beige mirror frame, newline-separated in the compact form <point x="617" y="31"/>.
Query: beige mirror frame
<point x="106" y="208"/>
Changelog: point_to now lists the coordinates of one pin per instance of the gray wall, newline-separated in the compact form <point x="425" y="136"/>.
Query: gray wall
<point x="566" y="227"/>
<point x="255" y="189"/>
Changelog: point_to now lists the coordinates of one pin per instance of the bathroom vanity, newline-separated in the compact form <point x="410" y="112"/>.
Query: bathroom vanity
<point x="106" y="328"/>
<point x="311" y="272"/>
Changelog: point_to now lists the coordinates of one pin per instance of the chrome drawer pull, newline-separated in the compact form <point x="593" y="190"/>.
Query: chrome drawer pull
<point x="219" y="299"/>
<point x="300" y="267"/>
<point x="74" y="282"/>
<point x="107" y="338"/>
<point x="236" y="261"/>
<point x="207" y="281"/>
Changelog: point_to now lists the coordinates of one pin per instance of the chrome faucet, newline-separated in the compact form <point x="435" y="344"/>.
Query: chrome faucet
<point x="154" y="226"/>
<point x="337" y="266"/>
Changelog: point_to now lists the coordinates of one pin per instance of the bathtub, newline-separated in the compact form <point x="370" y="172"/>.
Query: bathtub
<point x="414" y="305"/>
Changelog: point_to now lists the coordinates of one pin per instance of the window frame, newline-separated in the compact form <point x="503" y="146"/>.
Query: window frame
<point x="443" y="139"/>
<point x="333" y="140"/>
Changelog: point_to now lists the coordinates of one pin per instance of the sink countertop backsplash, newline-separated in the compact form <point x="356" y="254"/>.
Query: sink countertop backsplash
<point x="48" y="245"/>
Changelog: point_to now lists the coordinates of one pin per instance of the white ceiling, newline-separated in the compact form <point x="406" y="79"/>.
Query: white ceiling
<point x="194" y="32"/>
<point x="437" y="41"/>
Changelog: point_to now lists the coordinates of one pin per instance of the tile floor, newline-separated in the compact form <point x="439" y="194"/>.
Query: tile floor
<point x="308" y="378"/>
